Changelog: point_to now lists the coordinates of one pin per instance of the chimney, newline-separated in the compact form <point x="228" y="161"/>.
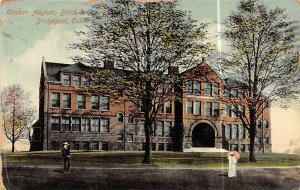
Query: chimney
<point x="203" y="59"/>
<point x="173" y="70"/>
<point x="108" y="64"/>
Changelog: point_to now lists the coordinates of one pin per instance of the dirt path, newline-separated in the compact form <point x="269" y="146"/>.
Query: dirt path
<point x="141" y="178"/>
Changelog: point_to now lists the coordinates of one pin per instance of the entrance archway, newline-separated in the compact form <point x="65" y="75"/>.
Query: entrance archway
<point x="203" y="135"/>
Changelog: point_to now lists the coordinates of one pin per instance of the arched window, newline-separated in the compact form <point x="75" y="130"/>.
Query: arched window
<point x="130" y="118"/>
<point x="258" y="124"/>
<point x="266" y="124"/>
<point x="120" y="118"/>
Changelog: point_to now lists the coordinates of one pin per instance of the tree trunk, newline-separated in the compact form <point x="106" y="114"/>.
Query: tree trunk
<point x="13" y="146"/>
<point x="147" y="155"/>
<point x="252" y="132"/>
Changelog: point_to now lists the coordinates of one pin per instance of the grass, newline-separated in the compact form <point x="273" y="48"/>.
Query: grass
<point x="160" y="159"/>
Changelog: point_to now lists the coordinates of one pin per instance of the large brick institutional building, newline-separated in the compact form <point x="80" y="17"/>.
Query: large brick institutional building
<point x="95" y="122"/>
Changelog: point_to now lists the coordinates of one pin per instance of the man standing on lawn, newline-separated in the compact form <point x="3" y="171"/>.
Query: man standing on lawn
<point x="65" y="151"/>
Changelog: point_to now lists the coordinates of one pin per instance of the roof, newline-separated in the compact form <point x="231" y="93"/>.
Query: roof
<point x="53" y="69"/>
<point x="77" y="67"/>
<point x="232" y="83"/>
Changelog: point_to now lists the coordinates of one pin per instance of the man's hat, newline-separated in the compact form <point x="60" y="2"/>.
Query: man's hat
<point x="65" y="143"/>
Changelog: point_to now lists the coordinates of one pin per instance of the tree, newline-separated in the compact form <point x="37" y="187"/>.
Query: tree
<point x="17" y="112"/>
<point x="148" y="43"/>
<point x="262" y="59"/>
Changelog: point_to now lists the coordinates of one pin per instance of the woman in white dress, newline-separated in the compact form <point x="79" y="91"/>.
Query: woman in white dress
<point x="232" y="165"/>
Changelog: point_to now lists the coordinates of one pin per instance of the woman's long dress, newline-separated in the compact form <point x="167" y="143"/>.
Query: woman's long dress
<point x="232" y="167"/>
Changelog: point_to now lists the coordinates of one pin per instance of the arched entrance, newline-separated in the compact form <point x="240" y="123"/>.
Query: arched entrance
<point x="203" y="136"/>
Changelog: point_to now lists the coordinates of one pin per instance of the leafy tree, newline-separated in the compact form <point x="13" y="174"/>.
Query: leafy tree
<point x="147" y="42"/>
<point x="17" y="112"/>
<point x="263" y="59"/>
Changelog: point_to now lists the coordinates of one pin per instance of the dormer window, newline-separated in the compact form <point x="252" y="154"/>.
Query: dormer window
<point x="66" y="79"/>
<point x="76" y="80"/>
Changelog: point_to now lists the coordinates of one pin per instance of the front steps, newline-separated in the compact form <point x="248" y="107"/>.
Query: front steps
<point x="204" y="149"/>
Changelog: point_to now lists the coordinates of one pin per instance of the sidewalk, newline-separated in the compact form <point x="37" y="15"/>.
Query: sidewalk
<point x="52" y="177"/>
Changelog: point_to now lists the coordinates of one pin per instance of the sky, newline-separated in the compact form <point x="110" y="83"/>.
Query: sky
<point x="25" y="37"/>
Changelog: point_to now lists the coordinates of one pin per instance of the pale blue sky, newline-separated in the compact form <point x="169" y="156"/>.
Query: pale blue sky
<point x="23" y="43"/>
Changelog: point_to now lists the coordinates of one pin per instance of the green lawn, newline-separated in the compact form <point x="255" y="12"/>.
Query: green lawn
<point x="160" y="159"/>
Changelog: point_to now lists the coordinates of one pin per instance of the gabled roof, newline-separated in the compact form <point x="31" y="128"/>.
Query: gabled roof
<point x="201" y="69"/>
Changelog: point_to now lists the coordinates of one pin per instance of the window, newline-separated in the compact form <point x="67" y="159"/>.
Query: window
<point x="75" y="124"/>
<point x="234" y="93"/>
<point x="161" y="147"/>
<point x="66" y="79"/>
<point x="189" y="87"/>
<point x="153" y="146"/>
<point x="104" y="125"/>
<point x="95" y="125"/>
<point x="85" y="81"/>
<point x="190" y="107"/>
<point x="243" y="148"/>
<point x="228" y="131"/>
<point x="65" y="124"/>
<point x="234" y="111"/>
<point x="55" y="100"/>
<point x="66" y="101"/>
<point x="74" y="145"/>
<point x="226" y="93"/>
<point x="197" y="108"/>
<point x="160" y="108"/>
<point x="55" y="145"/>
<point x="85" y="145"/>
<point x="216" y="108"/>
<point x="130" y="137"/>
<point x="160" y="89"/>
<point x="120" y="138"/>
<point x="104" y="103"/>
<point x="258" y="124"/>
<point x="267" y="140"/>
<point x="105" y="146"/>
<point x="228" y="110"/>
<point x="241" y="94"/>
<point x="266" y="124"/>
<point x="77" y="80"/>
<point x="81" y="101"/>
<point x="55" y="125"/>
<point x="95" y="102"/>
<point x="193" y="87"/>
<point x="168" y="128"/>
<point x="120" y="118"/>
<point x="95" y="145"/>
<point x="169" y="106"/>
<point x="208" y="89"/>
<point x="196" y="88"/>
<point x="216" y="89"/>
<point x="169" y="147"/>
<point x="142" y="128"/>
<point x="208" y="108"/>
<point x="130" y="118"/>
<point x="258" y="139"/>
<point x="242" y="110"/>
<point x="235" y="147"/>
<point x="153" y="130"/>
<point x="85" y="124"/>
<point x="235" y="131"/>
<point x="242" y="132"/>
<point x="160" y="128"/>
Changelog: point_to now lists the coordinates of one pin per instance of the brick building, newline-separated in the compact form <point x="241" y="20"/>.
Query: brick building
<point x="95" y="122"/>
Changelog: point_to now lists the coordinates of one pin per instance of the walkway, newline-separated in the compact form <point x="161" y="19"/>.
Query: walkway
<point x="52" y="177"/>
